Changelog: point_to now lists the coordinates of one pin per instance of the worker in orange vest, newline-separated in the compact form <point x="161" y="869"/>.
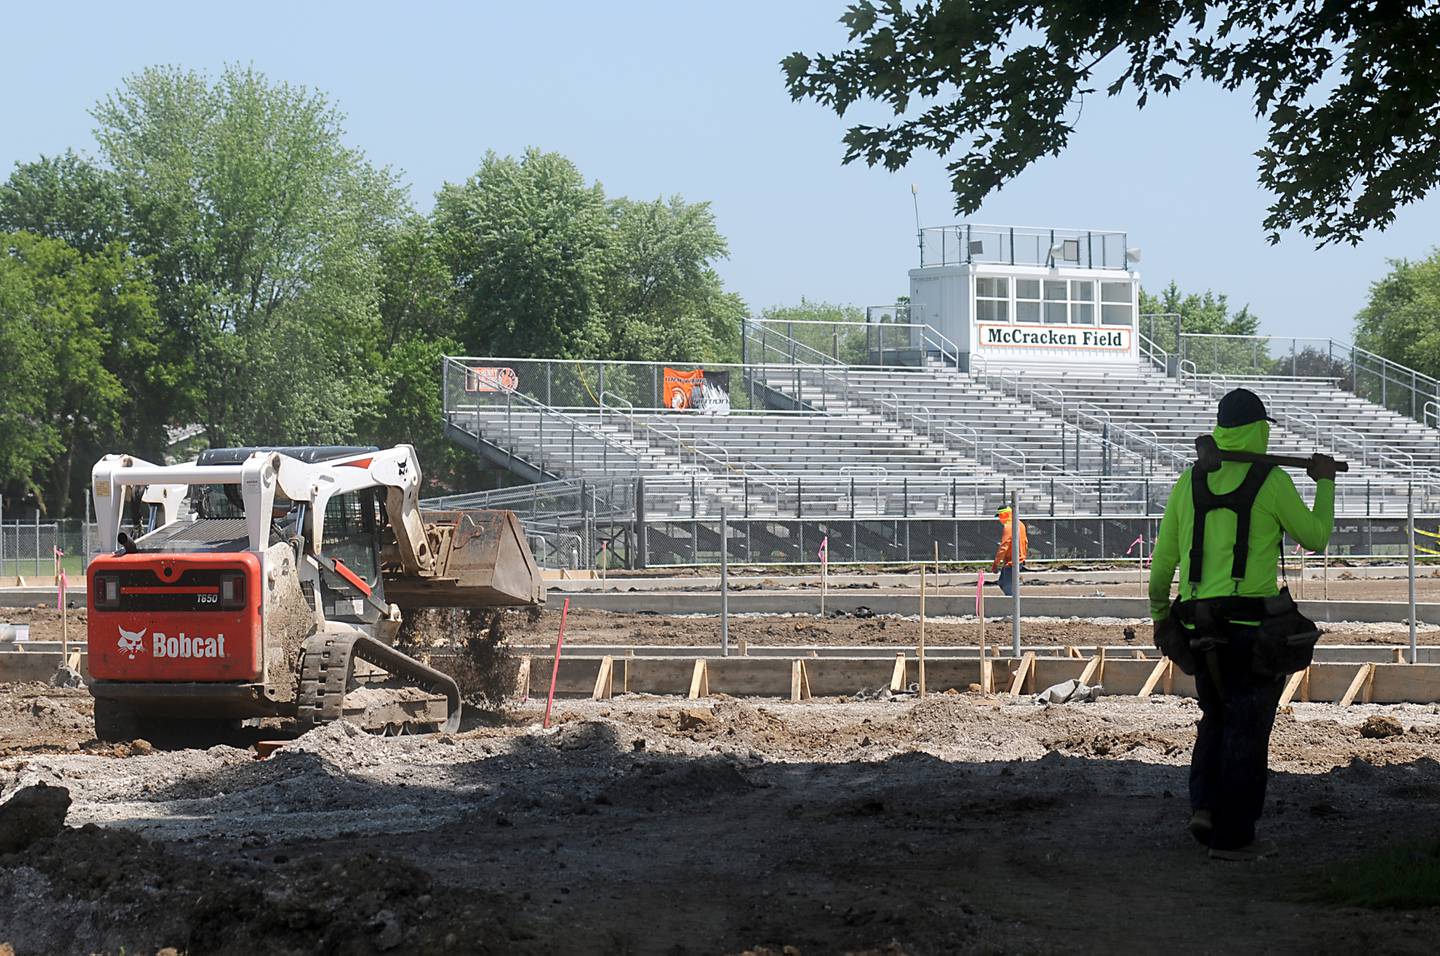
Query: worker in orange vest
<point x="1005" y="559"/>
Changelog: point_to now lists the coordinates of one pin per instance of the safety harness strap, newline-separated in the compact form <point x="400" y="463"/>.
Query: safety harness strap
<point x="1241" y="501"/>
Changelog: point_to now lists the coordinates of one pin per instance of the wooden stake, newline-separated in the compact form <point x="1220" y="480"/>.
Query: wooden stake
<point x="1154" y="678"/>
<point x="1291" y="686"/>
<point x="987" y="676"/>
<point x="980" y="608"/>
<point x="629" y="656"/>
<point x="1325" y="572"/>
<point x="604" y="680"/>
<point x="1024" y="672"/>
<point x="1364" y="675"/>
<point x="1301" y="595"/>
<point x="799" y="682"/>
<point x="897" y="676"/>
<point x="522" y="680"/>
<point x="699" y="680"/>
<point x="1091" y="666"/>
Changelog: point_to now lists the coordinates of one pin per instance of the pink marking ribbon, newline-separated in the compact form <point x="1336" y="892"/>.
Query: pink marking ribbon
<point x="979" y="591"/>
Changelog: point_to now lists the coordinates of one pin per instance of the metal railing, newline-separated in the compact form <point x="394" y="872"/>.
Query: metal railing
<point x="1373" y="377"/>
<point x="967" y="243"/>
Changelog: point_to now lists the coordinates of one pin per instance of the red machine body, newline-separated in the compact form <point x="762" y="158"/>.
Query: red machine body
<point x="175" y="617"/>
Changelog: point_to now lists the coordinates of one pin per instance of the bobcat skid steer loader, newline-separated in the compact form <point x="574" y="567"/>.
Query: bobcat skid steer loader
<point x="263" y="584"/>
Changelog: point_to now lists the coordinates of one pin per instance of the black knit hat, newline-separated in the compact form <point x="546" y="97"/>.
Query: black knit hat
<point x="1241" y="407"/>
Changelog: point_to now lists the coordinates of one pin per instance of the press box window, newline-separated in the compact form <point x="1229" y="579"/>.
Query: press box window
<point x="1115" y="305"/>
<point x="1056" y="305"/>
<point x="992" y="299"/>
<point x="1082" y="302"/>
<point x="1027" y="300"/>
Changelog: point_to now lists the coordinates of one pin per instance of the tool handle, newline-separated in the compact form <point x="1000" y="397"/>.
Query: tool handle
<point x="1291" y="461"/>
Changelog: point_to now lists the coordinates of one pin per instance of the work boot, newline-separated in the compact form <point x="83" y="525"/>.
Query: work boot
<point x="1255" y="850"/>
<point x="1201" y="826"/>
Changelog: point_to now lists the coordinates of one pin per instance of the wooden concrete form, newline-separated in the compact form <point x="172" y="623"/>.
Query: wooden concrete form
<point x="773" y="676"/>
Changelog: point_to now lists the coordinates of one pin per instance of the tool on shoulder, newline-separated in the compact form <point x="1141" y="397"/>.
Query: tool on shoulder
<point x="1209" y="455"/>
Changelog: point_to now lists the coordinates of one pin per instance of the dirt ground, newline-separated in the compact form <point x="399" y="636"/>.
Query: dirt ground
<point x="780" y="630"/>
<point x="654" y="825"/>
<point x="603" y="627"/>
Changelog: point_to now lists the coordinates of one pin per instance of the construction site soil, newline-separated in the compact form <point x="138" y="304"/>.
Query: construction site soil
<point x="958" y="823"/>
<point x="586" y="626"/>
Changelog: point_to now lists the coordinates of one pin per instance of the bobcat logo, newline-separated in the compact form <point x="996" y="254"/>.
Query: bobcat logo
<point x="132" y="642"/>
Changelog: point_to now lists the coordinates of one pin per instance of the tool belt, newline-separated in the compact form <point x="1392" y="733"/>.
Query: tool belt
<point x="1282" y="643"/>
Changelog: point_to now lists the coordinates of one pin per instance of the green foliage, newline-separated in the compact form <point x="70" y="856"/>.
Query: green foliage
<point x="230" y="261"/>
<point x="417" y="293"/>
<point x="1206" y="313"/>
<point x="547" y="266"/>
<point x="1347" y="90"/>
<point x="264" y="230"/>
<point x="64" y="197"/>
<point x="410" y="411"/>
<point x="81" y="331"/>
<point x="848" y="344"/>
<point x="1401" y="321"/>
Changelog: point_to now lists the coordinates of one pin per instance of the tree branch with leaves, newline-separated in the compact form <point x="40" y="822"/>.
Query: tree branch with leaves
<point x="1351" y="90"/>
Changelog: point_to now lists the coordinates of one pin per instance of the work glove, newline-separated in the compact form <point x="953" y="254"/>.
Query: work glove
<point x="1322" y="468"/>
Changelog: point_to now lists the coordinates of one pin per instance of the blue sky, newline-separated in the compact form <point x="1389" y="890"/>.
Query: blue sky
<point x="676" y="98"/>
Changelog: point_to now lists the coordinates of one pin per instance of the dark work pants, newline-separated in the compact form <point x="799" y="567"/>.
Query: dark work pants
<point x="1232" y="745"/>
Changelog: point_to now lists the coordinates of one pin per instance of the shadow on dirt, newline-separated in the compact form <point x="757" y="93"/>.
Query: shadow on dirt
<point x="584" y="840"/>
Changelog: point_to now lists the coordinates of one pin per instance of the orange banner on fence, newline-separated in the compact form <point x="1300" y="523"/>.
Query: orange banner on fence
<point x="491" y="379"/>
<point x="682" y="388"/>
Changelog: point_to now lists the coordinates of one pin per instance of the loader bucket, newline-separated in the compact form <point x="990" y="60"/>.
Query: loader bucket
<point x="481" y="560"/>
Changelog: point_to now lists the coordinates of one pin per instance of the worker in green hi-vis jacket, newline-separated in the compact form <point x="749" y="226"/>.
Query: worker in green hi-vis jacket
<point x="1221" y="604"/>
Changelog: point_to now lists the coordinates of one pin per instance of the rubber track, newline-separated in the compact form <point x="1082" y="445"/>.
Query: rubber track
<point x="325" y="673"/>
<point x="325" y="666"/>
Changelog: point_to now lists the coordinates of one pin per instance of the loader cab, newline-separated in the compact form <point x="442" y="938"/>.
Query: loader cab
<point x="351" y="535"/>
<point x="350" y="527"/>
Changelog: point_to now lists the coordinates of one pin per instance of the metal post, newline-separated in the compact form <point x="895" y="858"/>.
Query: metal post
<point x="724" y="584"/>
<point x="1015" y="564"/>
<point x="641" y="530"/>
<point x="1410" y="526"/>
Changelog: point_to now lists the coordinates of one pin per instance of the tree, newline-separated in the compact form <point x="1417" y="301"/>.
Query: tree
<point x="64" y="197"/>
<point x="264" y="230"/>
<point x="525" y="240"/>
<point x="83" y="334"/>
<point x="547" y="266"/>
<point x="665" y="300"/>
<point x="1401" y="320"/>
<point x="848" y="341"/>
<point x="1203" y="313"/>
<point x="1348" y="90"/>
<point x="417" y="293"/>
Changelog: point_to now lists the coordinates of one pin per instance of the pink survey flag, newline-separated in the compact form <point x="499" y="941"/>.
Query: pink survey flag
<point x="825" y="549"/>
<point x="979" y="590"/>
<point x="1139" y="539"/>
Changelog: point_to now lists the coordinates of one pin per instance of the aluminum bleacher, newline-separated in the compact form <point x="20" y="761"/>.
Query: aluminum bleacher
<point x="811" y="446"/>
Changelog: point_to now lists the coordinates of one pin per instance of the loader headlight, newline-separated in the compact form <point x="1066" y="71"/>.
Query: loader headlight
<point x="232" y="590"/>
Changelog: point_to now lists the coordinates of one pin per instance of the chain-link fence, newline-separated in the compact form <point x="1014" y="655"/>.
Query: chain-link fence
<point x="27" y="548"/>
